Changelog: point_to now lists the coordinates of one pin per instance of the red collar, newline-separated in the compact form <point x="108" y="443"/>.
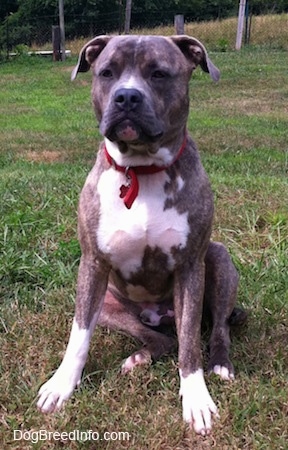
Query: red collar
<point x="130" y="191"/>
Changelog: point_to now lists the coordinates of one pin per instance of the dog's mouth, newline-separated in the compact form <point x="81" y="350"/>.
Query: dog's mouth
<point x="127" y="131"/>
<point x="130" y="132"/>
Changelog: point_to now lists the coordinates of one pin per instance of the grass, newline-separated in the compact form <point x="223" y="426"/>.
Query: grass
<point x="48" y="142"/>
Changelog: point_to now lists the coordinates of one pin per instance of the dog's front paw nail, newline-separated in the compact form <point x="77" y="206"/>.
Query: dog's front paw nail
<point x="224" y="373"/>
<point x="199" y="415"/>
<point x="49" y="399"/>
<point x="55" y="392"/>
<point x="47" y="403"/>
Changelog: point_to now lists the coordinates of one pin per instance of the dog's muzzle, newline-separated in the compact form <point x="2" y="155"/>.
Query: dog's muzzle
<point x="130" y="119"/>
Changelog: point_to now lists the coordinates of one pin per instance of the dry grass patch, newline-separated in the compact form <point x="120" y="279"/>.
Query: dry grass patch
<point x="46" y="156"/>
<point x="249" y="106"/>
<point x="270" y="31"/>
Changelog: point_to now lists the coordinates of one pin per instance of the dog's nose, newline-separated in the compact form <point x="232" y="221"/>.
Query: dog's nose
<point x="127" y="99"/>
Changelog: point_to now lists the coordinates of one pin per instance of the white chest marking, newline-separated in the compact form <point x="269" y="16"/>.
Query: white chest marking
<point x="124" y="234"/>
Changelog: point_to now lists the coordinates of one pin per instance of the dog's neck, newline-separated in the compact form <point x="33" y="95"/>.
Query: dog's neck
<point x="158" y="155"/>
<point x="129" y="191"/>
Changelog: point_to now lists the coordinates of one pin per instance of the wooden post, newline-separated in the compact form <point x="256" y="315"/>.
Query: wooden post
<point x="62" y="29"/>
<point x="179" y="23"/>
<point x="241" y="14"/>
<point x="128" y="16"/>
<point x="7" y="38"/>
<point x="120" y="17"/>
<point x="56" y="39"/>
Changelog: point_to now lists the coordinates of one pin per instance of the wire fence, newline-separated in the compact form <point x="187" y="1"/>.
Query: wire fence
<point x="218" y="34"/>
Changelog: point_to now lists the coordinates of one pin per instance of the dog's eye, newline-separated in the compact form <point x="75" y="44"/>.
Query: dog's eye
<point x="159" y="74"/>
<point x="106" y="73"/>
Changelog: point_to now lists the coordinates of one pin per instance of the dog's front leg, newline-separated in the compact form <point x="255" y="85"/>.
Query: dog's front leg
<point x="91" y="288"/>
<point x="197" y="403"/>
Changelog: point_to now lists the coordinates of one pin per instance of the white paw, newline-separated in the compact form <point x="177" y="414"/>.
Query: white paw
<point x="198" y="406"/>
<point x="139" y="358"/>
<point x="56" y="391"/>
<point x="223" y="373"/>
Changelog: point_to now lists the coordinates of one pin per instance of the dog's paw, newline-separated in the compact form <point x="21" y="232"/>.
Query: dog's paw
<point x="221" y="367"/>
<point x="139" y="358"/>
<point x="55" y="392"/>
<point x="198" y="406"/>
<point x="223" y="372"/>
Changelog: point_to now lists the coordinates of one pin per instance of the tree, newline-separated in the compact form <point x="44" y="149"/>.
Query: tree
<point x="7" y="7"/>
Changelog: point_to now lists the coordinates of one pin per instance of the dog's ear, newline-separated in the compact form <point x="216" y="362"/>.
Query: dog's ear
<point x="196" y="53"/>
<point x="89" y="53"/>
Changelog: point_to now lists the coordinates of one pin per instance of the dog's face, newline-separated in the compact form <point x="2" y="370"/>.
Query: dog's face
<point x="140" y="86"/>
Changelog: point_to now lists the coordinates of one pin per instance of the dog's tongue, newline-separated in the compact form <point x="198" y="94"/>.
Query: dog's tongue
<point x="127" y="132"/>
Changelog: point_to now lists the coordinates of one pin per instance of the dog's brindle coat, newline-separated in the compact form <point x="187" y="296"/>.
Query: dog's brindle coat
<point x="144" y="265"/>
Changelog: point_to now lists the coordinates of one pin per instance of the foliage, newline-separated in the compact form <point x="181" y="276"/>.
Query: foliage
<point x="268" y="7"/>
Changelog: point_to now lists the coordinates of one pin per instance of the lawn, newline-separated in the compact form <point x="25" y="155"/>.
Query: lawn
<point x="48" y="142"/>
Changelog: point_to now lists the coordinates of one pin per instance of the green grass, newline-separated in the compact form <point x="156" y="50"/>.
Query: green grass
<point x="48" y="142"/>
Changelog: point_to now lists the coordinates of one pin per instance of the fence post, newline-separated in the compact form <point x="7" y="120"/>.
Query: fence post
<point x="127" y="16"/>
<point x="62" y="30"/>
<point x="120" y="17"/>
<point x="7" y="38"/>
<point x="248" y="18"/>
<point x="242" y="5"/>
<point x="179" y="23"/>
<point x="56" y="41"/>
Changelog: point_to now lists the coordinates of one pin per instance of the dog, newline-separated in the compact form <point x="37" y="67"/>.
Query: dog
<point x="144" y="223"/>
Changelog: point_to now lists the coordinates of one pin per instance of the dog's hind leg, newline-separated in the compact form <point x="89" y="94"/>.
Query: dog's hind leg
<point x="221" y="282"/>
<point x="117" y="316"/>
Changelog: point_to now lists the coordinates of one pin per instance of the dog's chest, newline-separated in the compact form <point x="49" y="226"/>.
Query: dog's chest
<point x="124" y="234"/>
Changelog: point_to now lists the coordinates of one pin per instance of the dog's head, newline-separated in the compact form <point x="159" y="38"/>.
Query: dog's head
<point x="140" y="86"/>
